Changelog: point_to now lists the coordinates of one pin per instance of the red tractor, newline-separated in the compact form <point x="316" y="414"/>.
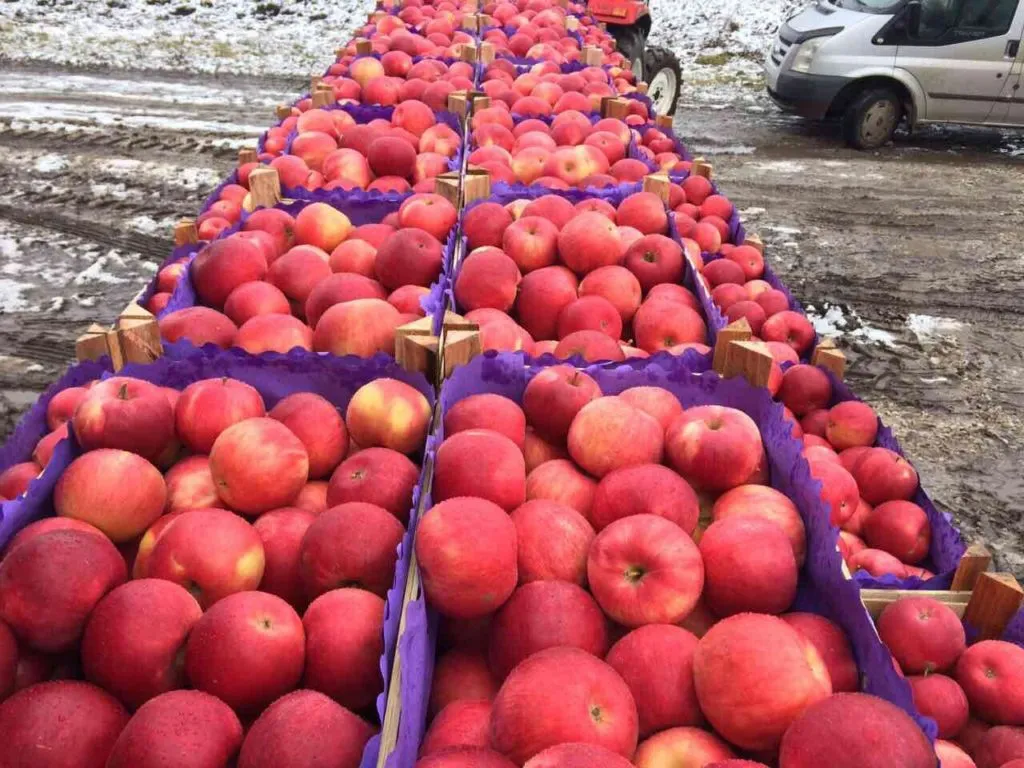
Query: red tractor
<point x="629" y="21"/>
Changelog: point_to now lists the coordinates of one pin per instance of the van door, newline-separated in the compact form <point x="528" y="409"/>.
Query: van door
<point x="1011" y="102"/>
<point x="957" y="50"/>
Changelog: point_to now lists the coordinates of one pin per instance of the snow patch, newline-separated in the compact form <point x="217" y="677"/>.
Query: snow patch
<point x="50" y="163"/>
<point x="928" y="326"/>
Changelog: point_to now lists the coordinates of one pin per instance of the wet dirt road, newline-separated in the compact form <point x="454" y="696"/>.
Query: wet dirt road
<point x="910" y="254"/>
<point x="913" y="256"/>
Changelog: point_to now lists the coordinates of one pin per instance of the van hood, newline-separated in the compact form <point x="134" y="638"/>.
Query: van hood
<point x="824" y="15"/>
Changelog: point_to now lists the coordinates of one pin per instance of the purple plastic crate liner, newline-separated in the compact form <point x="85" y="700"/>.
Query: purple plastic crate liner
<point x="947" y="546"/>
<point x="825" y="589"/>
<point x="1015" y="629"/>
<point x="359" y="210"/>
<point x="275" y="376"/>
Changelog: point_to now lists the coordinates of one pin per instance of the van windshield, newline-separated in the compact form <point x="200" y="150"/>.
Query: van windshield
<point x="869" y="6"/>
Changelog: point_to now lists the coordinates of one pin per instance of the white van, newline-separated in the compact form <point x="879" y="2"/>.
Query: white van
<point x="872" y="63"/>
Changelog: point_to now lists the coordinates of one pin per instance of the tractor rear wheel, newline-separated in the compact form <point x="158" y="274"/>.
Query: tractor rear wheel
<point x="630" y="42"/>
<point x="664" y="78"/>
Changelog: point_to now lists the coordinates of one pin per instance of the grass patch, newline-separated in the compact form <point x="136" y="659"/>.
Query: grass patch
<point x="223" y="50"/>
<point x="714" y="59"/>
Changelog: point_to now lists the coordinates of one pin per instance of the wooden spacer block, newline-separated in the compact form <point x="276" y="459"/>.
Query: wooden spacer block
<point x="659" y="184"/>
<point x="283" y="111"/>
<point x="641" y="87"/>
<point x="572" y="23"/>
<point x="458" y="102"/>
<point x="185" y="232"/>
<point x="247" y="155"/>
<point x="750" y="359"/>
<point x="139" y="335"/>
<point x="737" y="331"/>
<point x="592" y="56"/>
<point x="615" y="107"/>
<point x="995" y="600"/>
<point x="476" y="185"/>
<point x="469" y="53"/>
<point x="663" y="121"/>
<point x="701" y="167"/>
<point x="447" y="186"/>
<point x="363" y="47"/>
<point x="487" y="53"/>
<point x="459" y="347"/>
<point x="829" y="357"/>
<point x="479" y="100"/>
<point x="472" y="21"/>
<point x="974" y="562"/>
<point x="754" y="241"/>
<point x="314" y="83"/>
<point x="376" y="16"/>
<point x="340" y="53"/>
<point x="264" y="189"/>
<point x="92" y="345"/>
<point x="323" y="97"/>
<point x="416" y="347"/>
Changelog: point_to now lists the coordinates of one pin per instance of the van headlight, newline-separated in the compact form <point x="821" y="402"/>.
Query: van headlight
<point x="805" y="54"/>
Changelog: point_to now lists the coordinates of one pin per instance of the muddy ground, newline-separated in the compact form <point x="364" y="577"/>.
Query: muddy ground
<point x="911" y="254"/>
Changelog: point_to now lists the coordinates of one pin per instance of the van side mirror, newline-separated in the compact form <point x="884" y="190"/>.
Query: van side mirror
<point x="912" y="18"/>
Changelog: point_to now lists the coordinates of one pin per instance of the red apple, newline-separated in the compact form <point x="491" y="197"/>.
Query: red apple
<point x="134" y="636"/>
<point x="247" y="650"/>
<point x="466" y="550"/>
<point x="126" y="414"/>
<point x="353" y="544"/>
<point x="754" y="676"/>
<point x="178" y="723"/>
<point x="646" y="489"/>
<point x="922" y="634"/>
<point x="656" y="661"/>
<point x="608" y="434"/>
<point x="593" y="706"/>
<point x="714" y="447"/>
<point x="50" y="584"/>
<point x="207" y="407"/>
<point x="390" y="414"/>
<point x="644" y="569"/>
<point x="344" y="642"/>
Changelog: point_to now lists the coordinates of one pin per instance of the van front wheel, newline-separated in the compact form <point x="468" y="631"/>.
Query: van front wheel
<point x="870" y="120"/>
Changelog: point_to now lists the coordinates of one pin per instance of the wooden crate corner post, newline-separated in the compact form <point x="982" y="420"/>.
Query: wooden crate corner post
<point x="416" y="347"/>
<point x="737" y="331"/>
<point x="660" y="184"/>
<point x="615" y="107"/>
<point x="323" y="96"/>
<point x="995" y="600"/>
<point x="264" y="189"/>
<point x="283" y="111"/>
<point x="663" y="121"/>
<point x="93" y="344"/>
<point x="974" y="562"/>
<point x="247" y="155"/>
<point x="828" y="356"/>
<point x="476" y="185"/>
<point x="702" y="167"/>
<point x="479" y="100"/>
<point x="186" y="233"/>
<point x="139" y="335"/>
<point x="458" y="103"/>
<point x="750" y="359"/>
<point x="487" y="53"/>
<point x="447" y="186"/>
<point x="592" y="56"/>
<point x="363" y="47"/>
<point x="460" y="342"/>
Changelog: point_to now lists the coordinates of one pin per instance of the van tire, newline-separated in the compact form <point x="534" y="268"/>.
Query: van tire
<point x="871" y="118"/>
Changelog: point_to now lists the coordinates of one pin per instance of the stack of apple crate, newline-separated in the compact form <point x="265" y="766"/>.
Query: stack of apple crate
<point x="466" y="426"/>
